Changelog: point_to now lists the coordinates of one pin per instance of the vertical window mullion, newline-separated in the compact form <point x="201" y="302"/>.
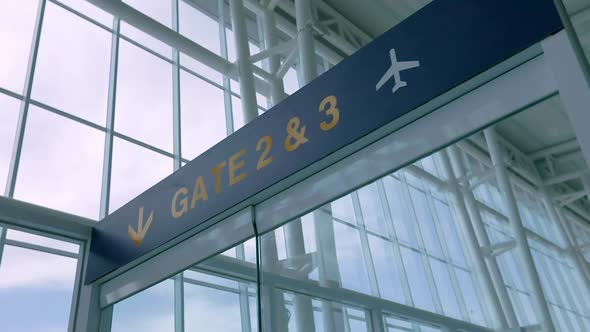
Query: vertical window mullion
<point x="105" y="193"/>
<point x="24" y="110"/>
<point x="176" y="108"/>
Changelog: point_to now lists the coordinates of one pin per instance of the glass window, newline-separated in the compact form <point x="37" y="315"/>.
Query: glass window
<point x="444" y="288"/>
<point x="425" y="221"/>
<point x="72" y="72"/>
<point x="210" y="309"/>
<point x="290" y="81"/>
<point x="9" y="110"/>
<point x="387" y="272"/>
<point x="203" y="115"/>
<point x="400" y="210"/>
<point x="238" y="115"/>
<point x="204" y="31"/>
<point x="17" y="22"/>
<point x="153" y="44"/>
<point x="343" y="209"/>
<point x="447" y="224"/>
<point x="417" y="279"/>
<point x="144" y="97"/>
<point x="372" y="210"/>
<point x="152" y="310"/>
<point x="35" y="283"/>
<point x="90" y="10"/>
<point x="60" y="156"/>
<point x="470" y="296"/>
<point x="41" y="240"/>
<point x="350" y="259"/>
<point x="159" y="10"/>
<point x="135" y="169"/>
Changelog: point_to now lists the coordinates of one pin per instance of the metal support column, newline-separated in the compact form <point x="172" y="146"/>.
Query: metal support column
<point x="274" y="313"/>
<point x="246" y="77"/>
<point x="498" y="160"/>
<point x="305" y="43"/>
<point x="323" y="226"/>
<point x="493" y="300"/>
<point x="483" y="239"/>
<point x="302" y="304"/>
<point x="179" y="303"/>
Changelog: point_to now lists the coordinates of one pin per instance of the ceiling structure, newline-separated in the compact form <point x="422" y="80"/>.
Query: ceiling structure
<point x="542" y="133"/>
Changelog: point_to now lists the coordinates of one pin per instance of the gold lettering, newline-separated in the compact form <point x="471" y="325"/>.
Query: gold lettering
<point x="183" y="203"/>
<point x="200" y="192"/>
<point x="332" y="111"/>
<point x="264" y="159"/>
<point x="233" y="167"/>
<point x="217" y="172"/>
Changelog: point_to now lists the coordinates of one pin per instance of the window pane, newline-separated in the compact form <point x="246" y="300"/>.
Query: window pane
<point x="42" y="241"/>
<point x="343" y="209"/>
<point x="144" y="97"/>
<point x="470" y="296"/>
<point x="35" y="290"/>
<point x="444" y="288"/>
<point x="447" y="223"/>
<point x="387" y="273"/>
<point x="211" y="310"/>
<point x="203" y="30"/>
<point x="146" y="40"/>
<point x="350" y="258"/>
<point x="17" y="21"/>
<point x="203" y="115"/>
<point x="371" y="207"/>
<point x="417" y="279"/>
<point x="149" y="311"/>
<point x="61" y="164"/>
<point x="290" y="81"/>
<point x="90" y="10"/>
<point x="400" y="210"/>
<point x="159" y="10"/>
<point x="425" y="221"/>
<point x="72" y="72"/>
<point x="135" y="169"/>
<point x="9" y="109"/>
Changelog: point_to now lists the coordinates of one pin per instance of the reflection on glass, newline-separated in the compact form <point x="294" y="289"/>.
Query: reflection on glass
<point x="417" y="279"/>
<point x="72" y="72"/>
<point x="59" y="156"/>
<point x="152" y="310"/>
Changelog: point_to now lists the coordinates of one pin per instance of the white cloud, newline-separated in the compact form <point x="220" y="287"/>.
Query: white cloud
<point x="33" y="269"/>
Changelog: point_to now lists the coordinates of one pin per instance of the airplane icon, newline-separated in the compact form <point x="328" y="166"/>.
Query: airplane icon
<point x="394" y="70"/>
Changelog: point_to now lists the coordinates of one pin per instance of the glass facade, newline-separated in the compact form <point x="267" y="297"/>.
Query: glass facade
<point x="94" y="111"/>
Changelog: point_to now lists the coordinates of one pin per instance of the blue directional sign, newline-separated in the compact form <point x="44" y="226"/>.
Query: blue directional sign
<point x="439" y="47"/>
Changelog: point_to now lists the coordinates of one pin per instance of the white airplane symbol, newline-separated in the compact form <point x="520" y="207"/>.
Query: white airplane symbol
<point x="394" y="71"/>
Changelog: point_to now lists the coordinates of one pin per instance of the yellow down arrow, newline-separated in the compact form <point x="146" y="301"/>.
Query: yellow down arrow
<point x="138" y="236"/>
